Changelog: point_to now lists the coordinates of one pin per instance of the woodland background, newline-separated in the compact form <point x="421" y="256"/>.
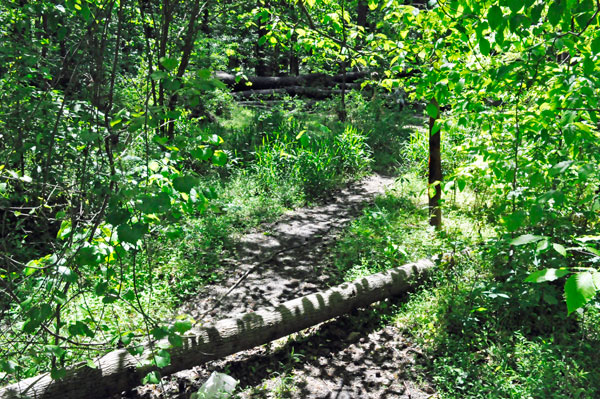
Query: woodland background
<point x="137" y="138"/>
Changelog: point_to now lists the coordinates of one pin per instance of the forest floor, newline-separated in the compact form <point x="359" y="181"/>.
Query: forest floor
<point x="353" y="356"/>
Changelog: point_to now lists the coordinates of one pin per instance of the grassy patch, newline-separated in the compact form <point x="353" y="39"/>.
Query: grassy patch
<point x="488" y="336"/>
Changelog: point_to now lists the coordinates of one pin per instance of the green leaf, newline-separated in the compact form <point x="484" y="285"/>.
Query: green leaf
<point x="203" y="153"/>
<point x="555" y="13"/>
<point x="484" y="46"/>
<point x="154" y="203"/>
<point x="117" y="216"/>
<point x="185" y="183"/>
<point x="158" y="75"/>
<point x="67" y="274"/>
<point x="100" y="288"/>
<point x="131" y="234"/>
<point x="159" y="332"/>
<point x="219" y="158"/>
<point x="80" y="328"/>
<point x="514" y="220"/>
<point x="7" y="366"/>
<point x="560" y="168"/>
<point x="432" y="110"/>
<point x="175" y="340"/>
<point x="544" y="275"/>
<point x="65" y="230"/>
<point x="54" y="350"/>
<point x="595" y="45"/>
<point x="525" y="239"/>
<point x="560" y="249"/>
<point x="579" y="289"/>
<point x="515" y="5"/>
<point x="494" y="17"/>
<point x="162" y="358"/>
<point x="129" y="295"/>
<point x="88" y="255"/>
<point x="535" y="214"/>
<point x="182" y="326"/>
<point x="57" y="374"/>
<point x="152" y="377"/>
<point x="168" y="63"/>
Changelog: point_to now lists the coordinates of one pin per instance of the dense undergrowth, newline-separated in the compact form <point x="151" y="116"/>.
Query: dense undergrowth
<point x="277" y="161"/>
<point x="484" y="334"/>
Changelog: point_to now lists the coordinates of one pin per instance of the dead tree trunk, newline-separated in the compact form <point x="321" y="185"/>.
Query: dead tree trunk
<point x="277" y="82"/>
<point x="117" y="371"/>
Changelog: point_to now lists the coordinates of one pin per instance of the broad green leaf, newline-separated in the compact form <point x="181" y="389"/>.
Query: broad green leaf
<point x="67" y="274"/>
<point x="542" y="246"/>
<point x="484" y="46"/>
<point x="560" y="168"/>
<point x="546" y="275"/>
<point x="168" y="63"/>
<point x="100" y="288"/>
<point x="514" y="221"/>
<point x="117" y="216"/>
<point x="535" y="214"/>
<point x="7" y="366"/>
<point x="158" y="75"/>
<point x="131" y="234"/>
<point x="80" y="328"/>
<point x="494" y="17"/>
<point x="579" y="289"/>
<point x="432" y="110"/>
<point x="182" y="326"/>
<point x="162" y="358"/>
<point x="159" y="332"/>
<point x="555" y="12"/>
<point x="525" y="239"/>
<point x="185" y="183"/>
<point x="152" y="377"/>
<point x="203" y="153"/>
<point x="175" y="340"/>
<point x="219" y="158"/>
<point x="65" y="229"/>
<point x="57" y="374"/>
<point x="88" y="255"/>
<point x="515" y="5"/>
<point x="595" y="45"/>
<point x="559" y="248"/>
<point x="55" y="350"/>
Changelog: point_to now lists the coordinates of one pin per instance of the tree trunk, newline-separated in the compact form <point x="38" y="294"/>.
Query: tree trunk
<point x="117" y="372"/>
<point x="276" y="82"/>
<point x="435" y="171"/>
<point x="310" y="92"/>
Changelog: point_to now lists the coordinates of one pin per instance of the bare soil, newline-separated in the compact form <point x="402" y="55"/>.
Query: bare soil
<point x="354" y="356"/>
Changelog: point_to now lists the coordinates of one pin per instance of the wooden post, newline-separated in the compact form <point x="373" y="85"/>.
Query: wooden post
<point x="117" y="371"/>
<point x="435" y="168"/>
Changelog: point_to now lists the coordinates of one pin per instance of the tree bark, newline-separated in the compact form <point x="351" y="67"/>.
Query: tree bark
<point x="435" y="171"/>
<point x="310" y="92"/>
<point x="276" y="82"/>
<point x="117" y="371"/>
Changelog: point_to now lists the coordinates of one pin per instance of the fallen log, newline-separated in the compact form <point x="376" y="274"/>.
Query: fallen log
<point x="278" y="82"/>
<point x="117" y="371"/>
<point x="310" y="92"/>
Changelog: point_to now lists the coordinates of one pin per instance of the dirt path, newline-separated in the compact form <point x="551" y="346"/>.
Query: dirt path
<point x="349" y="357"/>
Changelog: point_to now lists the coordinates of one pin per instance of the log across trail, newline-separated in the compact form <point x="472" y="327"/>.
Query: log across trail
<point x="117" y="370"/>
